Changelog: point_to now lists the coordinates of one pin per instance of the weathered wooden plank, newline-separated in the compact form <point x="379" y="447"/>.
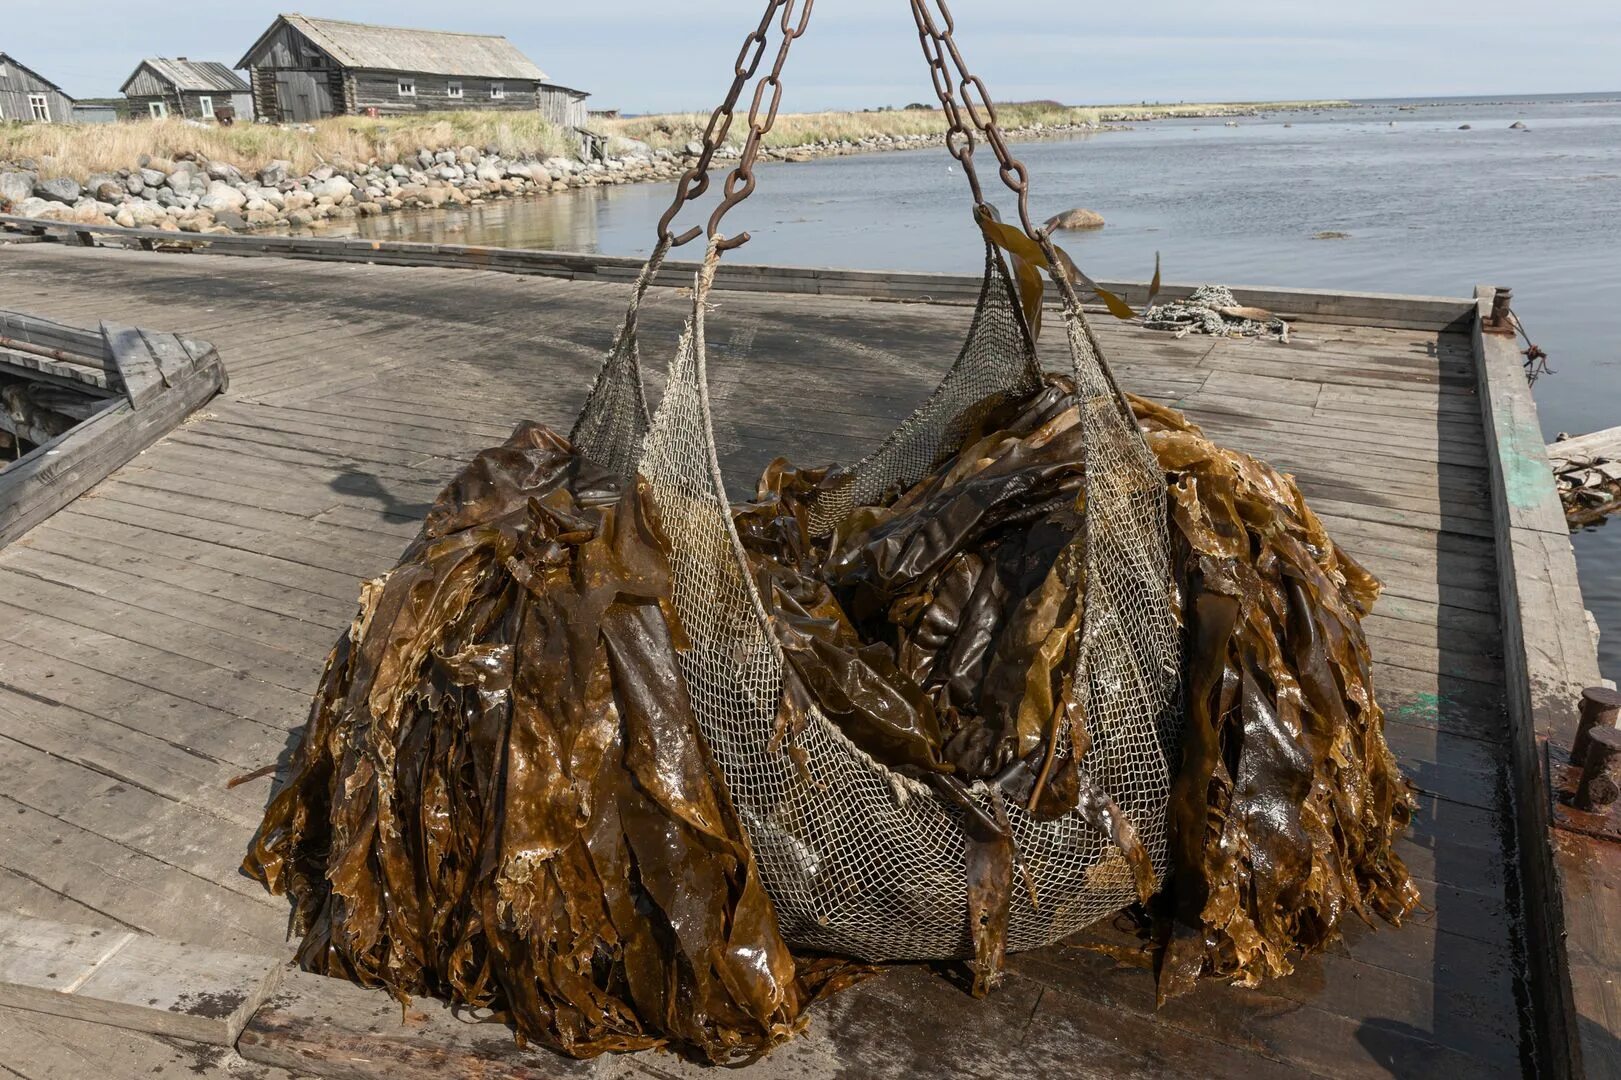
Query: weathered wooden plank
<point x="131" y="980"/>
<point x="1548" y="658"/>
<point x="39" y="1046"/>
<point x="137" y="368"/>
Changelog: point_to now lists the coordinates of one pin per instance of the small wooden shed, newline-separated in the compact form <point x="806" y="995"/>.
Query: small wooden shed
<point x="199" y="89"/>
<point x="27" y="95"/>
<point x="305" y="69"/>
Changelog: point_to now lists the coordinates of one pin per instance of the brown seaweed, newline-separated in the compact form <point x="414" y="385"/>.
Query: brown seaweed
<point x="503" y="798"/>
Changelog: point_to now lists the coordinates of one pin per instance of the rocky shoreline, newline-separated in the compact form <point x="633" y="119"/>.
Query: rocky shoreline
<point x="190" y="194"/>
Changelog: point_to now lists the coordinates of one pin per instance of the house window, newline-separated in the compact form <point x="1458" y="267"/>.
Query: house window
<point x="205" y="108"/>
<point x="40" y="107"/>
<point x="158" y="109"/>
<point x="498" y="90"/>
<point x="408" y="88"/>
<point x="453" y="89"/>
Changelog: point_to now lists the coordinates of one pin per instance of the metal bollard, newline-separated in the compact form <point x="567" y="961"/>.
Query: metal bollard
<point x="1600" y="706"/>
<point x="1601" y="772"/>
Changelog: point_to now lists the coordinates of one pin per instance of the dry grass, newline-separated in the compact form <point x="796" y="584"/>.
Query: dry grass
<point x="77" y="150"/>
<point x="674" y="130"/>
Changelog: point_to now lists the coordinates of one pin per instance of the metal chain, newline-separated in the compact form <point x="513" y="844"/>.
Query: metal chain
<point x="740" y="182"/>
<point x="938" y="46"/>
<point x="939" y="49"/>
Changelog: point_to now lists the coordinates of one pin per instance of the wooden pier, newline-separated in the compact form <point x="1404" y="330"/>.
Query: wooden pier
<point x="164" y="632"/>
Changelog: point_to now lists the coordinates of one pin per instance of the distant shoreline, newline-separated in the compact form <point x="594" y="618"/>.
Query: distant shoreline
<point x="803" y="136"/>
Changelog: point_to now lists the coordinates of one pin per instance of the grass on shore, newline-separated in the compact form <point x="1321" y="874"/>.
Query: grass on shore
<point x="77" y="150"/>
<point x="674" y="130"/>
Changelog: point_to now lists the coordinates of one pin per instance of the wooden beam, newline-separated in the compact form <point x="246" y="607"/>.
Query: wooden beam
<point x="1355" y="309"/>
<point x="1549" y="656"/>
<point x="131" y="980"/>
<point x="1586" y="449"/>
<point x="137" y="367"/>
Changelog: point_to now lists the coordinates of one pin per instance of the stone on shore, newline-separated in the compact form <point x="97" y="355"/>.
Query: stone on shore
<point x="16" y="187"/>
<point x="222" y="196"/>
<point x="1076" y="219"/>
<point x="59" y="189"/>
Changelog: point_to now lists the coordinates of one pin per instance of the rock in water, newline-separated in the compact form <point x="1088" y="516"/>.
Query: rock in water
<point x="1518" y="125"/>
<point x="1076" y="219"/>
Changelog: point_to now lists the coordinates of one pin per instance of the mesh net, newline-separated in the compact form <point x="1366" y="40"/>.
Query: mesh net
<point x="857" y="859"/>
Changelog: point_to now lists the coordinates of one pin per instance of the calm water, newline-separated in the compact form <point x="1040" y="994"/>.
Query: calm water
<point x="1429" y="209"/>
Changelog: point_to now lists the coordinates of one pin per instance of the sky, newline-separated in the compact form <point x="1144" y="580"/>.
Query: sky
<point x="666" y="55"/>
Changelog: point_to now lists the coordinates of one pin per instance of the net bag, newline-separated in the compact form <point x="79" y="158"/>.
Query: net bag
<point x="859" y="859"/>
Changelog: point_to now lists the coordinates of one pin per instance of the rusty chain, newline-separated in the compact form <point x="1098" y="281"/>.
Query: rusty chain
<point x="939" y="45"/>
<point x="740" y="182"/>
<point x="939" y="49"/>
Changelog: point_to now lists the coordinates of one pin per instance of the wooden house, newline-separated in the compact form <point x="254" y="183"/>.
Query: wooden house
<point x="304" y="69"/>
<point x="27" y="95"/>
<point x="201" y="89"/>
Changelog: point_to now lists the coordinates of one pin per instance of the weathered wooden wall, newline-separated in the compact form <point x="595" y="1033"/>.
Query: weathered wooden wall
<point x="561" y="106"/>
<point x="18" y="83"/>
<point x="380" y="90"/>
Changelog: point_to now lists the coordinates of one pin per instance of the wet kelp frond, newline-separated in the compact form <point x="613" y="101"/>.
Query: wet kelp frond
<point x="502" y="797"/>
<point x="1287" y="801"/>
<point x="938" y="631"/>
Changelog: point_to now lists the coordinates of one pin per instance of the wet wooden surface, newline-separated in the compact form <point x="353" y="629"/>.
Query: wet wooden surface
<point x="164" y="632"/>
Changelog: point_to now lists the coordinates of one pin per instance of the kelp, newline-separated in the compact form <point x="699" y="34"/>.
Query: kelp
<point x="937" y="630"/>
<point x="1287" y="801"/>
<point x="502" y="797"/>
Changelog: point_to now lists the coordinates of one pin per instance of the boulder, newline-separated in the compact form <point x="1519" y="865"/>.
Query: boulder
<point x="33" y="206"/>
<point x="180" y="180"/>
<point x="258" y="219"/>
<point x="322" y="172"/>
<point x="222" y="196"/>
<point x="336" y="188"/>
<point x="488" y="174"/>
<point x="1076" y="219"/>
<point x="58" y="189"/>
<point x="16" y="187"/>
<point x="145" y="214"/>
<point x="1464" y="127"/>
<point x="230" y="219"/>
<point x="105" y="186"/>
<point x="223" y="170"/>
<point x="275" y="174"/>
<point x="1518" y="125"/>
<point x="152" y="178"/>
<point x="300" y="219"/>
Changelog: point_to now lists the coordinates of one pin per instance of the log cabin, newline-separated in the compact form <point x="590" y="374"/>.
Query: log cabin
<point x="197" y="89"/>
<point x="304" y="69"/>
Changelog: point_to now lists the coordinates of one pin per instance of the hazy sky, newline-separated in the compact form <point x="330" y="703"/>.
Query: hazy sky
<point x="645" y="55"/>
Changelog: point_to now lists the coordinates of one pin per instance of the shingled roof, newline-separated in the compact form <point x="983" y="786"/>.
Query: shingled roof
<point x="392" y="48"/>
<point x="188" y="75"/>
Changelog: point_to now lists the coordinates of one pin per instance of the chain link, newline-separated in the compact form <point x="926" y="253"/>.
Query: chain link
<point x="947" y="71"/>
<point x="740" y="183"/>
<point x="939" y="48"/>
